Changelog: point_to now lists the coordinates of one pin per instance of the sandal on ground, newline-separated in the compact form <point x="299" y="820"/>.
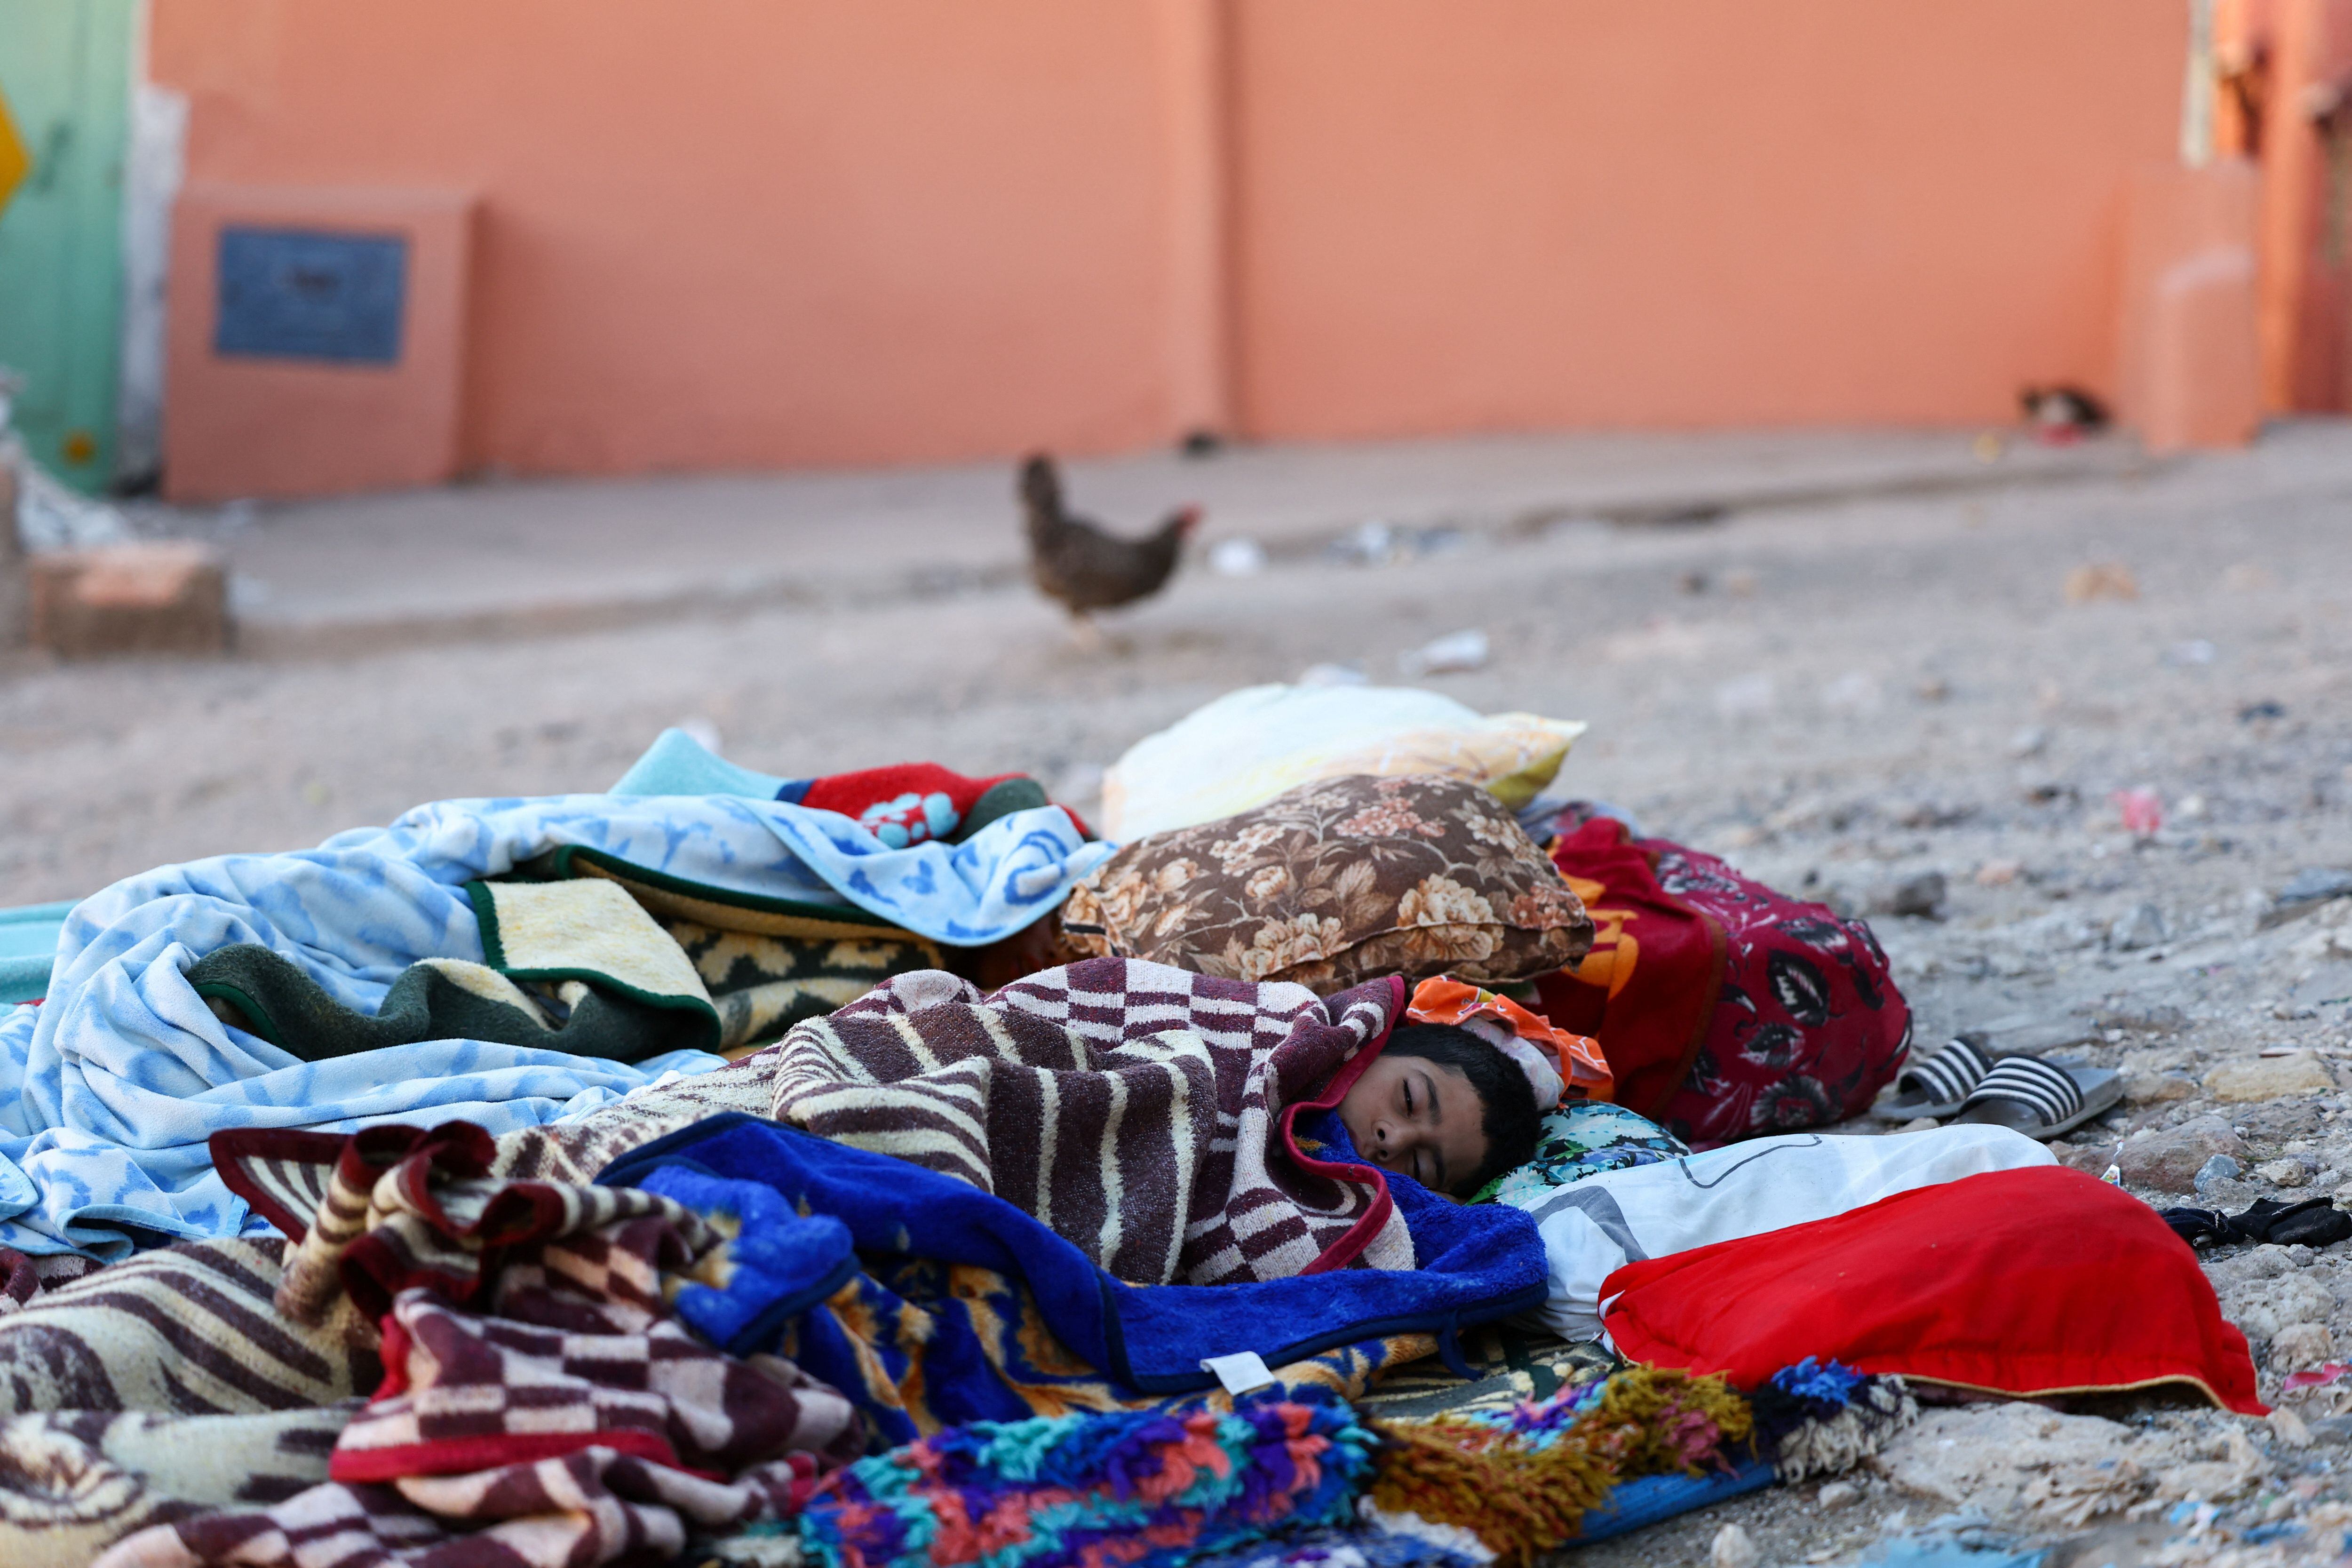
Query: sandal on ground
<point x="2039" y="1099"/>
<point x="1939" y="1084"/>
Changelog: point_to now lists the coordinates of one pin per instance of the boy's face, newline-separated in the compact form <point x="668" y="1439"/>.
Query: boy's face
<point x="1413" y="1116"/>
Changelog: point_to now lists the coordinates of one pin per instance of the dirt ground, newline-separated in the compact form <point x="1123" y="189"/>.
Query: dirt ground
<point x="1840" y="696"/>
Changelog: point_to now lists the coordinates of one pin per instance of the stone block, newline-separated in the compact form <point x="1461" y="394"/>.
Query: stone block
<point x="2270" y="1077"/>
<point x="2169" y="1160"/>
<point x="167" y="597"/>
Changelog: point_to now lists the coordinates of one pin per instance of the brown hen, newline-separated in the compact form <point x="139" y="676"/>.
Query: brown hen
<point x="1073" y="561"/>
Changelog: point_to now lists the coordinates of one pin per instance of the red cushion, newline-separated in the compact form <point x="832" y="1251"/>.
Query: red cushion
<point x="2037" y="1281"/>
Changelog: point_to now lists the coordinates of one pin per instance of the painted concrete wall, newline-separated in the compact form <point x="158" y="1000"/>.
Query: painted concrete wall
<point x="1585" y="212"/>
<point x="755" y="233"/>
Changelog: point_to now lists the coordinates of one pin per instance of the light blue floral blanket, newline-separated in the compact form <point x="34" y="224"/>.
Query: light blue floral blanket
<point x="109" y="1088"/>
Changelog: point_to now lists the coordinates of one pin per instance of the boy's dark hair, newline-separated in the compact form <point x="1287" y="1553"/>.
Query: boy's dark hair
<point x="1511" y="1123"/>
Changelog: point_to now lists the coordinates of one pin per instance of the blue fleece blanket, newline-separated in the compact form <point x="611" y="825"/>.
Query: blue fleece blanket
<point x="108" y="1090"/>
<point x="1473" y="1263"/>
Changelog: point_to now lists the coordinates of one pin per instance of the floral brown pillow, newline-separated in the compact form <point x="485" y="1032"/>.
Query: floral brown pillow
<point x="1335" y="882"/>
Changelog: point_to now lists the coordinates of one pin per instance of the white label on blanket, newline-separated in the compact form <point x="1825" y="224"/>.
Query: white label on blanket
<point x="1239" y="1373"/>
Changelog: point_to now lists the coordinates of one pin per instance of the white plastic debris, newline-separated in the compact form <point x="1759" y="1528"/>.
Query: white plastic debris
<point x="1237" y="558"/>
<point x="49" y="515"/>
<point x="1448" y="655"/>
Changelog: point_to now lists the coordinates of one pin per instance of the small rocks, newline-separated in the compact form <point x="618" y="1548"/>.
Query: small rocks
<point x="1917" y="898"/>
<point x="2270" y="1077"/>
<point x="1733" y="1549"/>
<point x="2142" y="927"/>
<point x="2170" y="1160"/>
<point x="1837" y="1495"/>
<point x="2288" y="1173"/>
<point x="2314" y="884"/>
<point x="2154" y="1087"/>
<point x="2267" y="1309"/>
<point x="2220" y="1168"/>
<point x="2288" y="1427"/>
<point x="2144" y="1018"/>
<point x="2299" y="1345"/>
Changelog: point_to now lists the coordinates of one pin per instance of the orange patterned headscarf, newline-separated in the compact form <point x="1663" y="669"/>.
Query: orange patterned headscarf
<point x="1559" y="1066"/>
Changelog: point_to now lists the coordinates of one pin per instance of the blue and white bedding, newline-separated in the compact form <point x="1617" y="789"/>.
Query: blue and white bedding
<point x="109" y="1088"/>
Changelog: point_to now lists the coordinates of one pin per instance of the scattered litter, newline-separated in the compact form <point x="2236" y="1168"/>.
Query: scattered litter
<point x="1448" y="655"/>
<point x="1237" y="558"/>
<point x="2253" y="711"/>
<point x="1372" y="543"/>
<point x="1332" y="675"/>
<point x="49" y="517"/>
<point x="2100" y="580"/>
<point x="1378" y="544"/>
<point x="2326" y="1376"/>
<point x="1746" y="696"/>
<point x="2142" y="810"/>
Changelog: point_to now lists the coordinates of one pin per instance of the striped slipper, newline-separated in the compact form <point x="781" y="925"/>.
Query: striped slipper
<point x="1938" y="1086"/>
<point x="2028" y="1095"/>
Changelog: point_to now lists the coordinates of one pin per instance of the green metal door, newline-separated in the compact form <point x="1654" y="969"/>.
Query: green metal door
<point x="65" y="74"/>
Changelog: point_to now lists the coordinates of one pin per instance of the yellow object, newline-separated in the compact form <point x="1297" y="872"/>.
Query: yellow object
<point x="14" y="161"/>
<point x="1250" y="745"/>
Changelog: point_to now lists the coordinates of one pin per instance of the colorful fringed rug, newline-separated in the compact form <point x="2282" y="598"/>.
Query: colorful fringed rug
<point x="1641" y="1446"/>
<point x="1131" y="1489"/>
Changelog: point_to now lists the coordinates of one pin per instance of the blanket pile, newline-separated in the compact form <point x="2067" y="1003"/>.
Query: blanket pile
<point x="949" y="1271"/>
<point x="1137" y="1110"/>
<point x="108" y="1090"/>
<point x="76" y="1482"/>
<point x="565" y="1420"/>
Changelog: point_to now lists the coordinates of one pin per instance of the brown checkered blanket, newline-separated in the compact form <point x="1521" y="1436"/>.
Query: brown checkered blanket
<point x="567" y="1421"/>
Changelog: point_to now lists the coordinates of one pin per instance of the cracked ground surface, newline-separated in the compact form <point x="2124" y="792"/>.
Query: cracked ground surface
<point x="1841" y="698"/>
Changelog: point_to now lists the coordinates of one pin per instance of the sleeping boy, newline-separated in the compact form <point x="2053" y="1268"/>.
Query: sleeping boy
<point x="1150" y="1116"/>
<point x="1457" y="1096"/>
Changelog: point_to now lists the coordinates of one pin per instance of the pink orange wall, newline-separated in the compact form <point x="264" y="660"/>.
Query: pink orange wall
<point x="1539" y="212"/>
<point x="738" y="232"/>
<point x="754" y="232"/>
